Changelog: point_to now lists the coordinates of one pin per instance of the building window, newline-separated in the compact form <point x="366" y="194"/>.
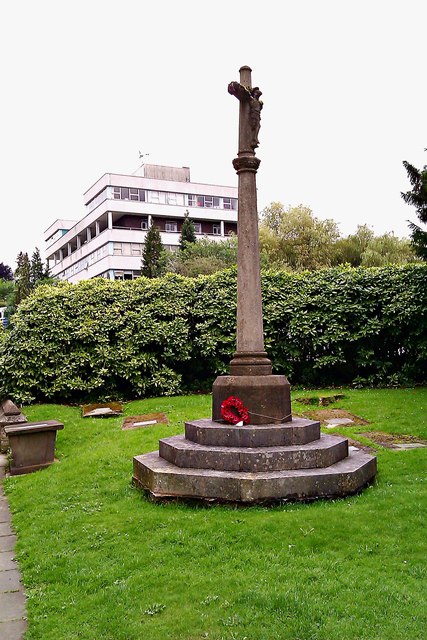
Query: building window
<point x="144" y="224"/>
<point x="229" y="203"/>
<point x="154" y="196"/>
<point x="191" y="200"/>
<point x="136" y="249"/>
<point x="171" y="226"/>
<point x="171" y="198"/>
<point x="197" y="227"/>
<point x="210" y="202"/>
<point x="129" y="193"/>
<point x="216" y="229"/>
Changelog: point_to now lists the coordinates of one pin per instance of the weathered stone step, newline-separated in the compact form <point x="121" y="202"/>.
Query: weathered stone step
<point x="165" y="480"/>
<point x="320" y="453"/>
<point x="210" y="433"/>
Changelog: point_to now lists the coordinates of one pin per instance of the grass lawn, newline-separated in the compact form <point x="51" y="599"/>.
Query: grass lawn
<point x="100" y="561"/>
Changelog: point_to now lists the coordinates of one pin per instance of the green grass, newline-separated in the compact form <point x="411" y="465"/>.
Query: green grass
<point x="100" y="561"/>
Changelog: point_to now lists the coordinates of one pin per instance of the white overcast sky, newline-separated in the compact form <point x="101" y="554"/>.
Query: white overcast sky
<point x="87" y="85"/>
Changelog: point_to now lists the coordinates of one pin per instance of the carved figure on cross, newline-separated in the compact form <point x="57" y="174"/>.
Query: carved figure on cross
<point x="251" y="97"/>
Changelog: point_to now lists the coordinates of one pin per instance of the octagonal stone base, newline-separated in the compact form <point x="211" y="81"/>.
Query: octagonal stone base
<point x="264" y="463"/>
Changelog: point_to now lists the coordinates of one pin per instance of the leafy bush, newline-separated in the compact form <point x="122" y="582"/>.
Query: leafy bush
<point x="100" y="339"/>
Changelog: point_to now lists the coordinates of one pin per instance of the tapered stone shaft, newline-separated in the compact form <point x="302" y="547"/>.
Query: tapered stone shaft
<point x="250" y="357"/>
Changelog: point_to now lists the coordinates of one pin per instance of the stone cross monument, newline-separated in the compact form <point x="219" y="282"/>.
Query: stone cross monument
<point x="274" y="457"/>
<point x="266" y="396"/>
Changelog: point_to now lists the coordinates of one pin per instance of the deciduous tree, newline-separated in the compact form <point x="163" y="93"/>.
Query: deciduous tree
<point x="296" y="239"/>
<point x="206" y="256"/>
<point x="6" y="272"/>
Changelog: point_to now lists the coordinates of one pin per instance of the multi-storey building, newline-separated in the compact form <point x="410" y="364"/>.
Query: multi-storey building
<point x="109" y="239"/>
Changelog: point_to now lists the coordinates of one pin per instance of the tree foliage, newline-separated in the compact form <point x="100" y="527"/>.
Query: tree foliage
<point x="6" y="272"/>
<point x="188" y="232"/>
<point x="37" y="269"/>
<point x="100" y="339"/>
<point x="6" y="290"/>
<point x="293" y="238"/>
<point x="22" y="278"/>
<point x="205" y="257"/>
<point x="154" y="257"/>
<point x="417" y="197"/>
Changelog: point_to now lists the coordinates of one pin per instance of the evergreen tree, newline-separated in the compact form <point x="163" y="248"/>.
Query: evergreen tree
<point x="417" y="197"/>
<point x="153" y="255"/>
<point x="37" y="270"/>
<point x="22" y="277"/>
<point x="6" y="272"/>
<point x="188" y="233"/>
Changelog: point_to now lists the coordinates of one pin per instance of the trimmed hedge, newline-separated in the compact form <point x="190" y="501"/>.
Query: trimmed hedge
<point x="102" y="340"/>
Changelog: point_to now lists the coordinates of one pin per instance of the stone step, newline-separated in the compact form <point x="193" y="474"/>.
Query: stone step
<point x="210" y="433"/>
<point x="320" y="453"/>
<point x="162" y="479"/>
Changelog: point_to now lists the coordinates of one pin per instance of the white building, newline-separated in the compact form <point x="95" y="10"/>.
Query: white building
<point x="108" y="240"/>
<point x="3" y="319"/>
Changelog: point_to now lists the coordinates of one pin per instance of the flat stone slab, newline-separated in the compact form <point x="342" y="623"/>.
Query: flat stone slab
<point x="12" y="605"/>
<point x="336" y="422"/>
<point x="4" y="512"/>
<point x="7" y="561"/>
<point x="163" y="479"/>
<point x="5" y="529"/>
<point x="409" y="445"/>
<point x="13" y="629"/>
<point x="7" y="543"/>
<point x="10" y="580"/>
<point x="319" y="453"/>
<point x="210" y="433"/>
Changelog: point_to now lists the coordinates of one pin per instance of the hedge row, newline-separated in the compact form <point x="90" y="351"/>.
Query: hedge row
<point x="102" y="340"/>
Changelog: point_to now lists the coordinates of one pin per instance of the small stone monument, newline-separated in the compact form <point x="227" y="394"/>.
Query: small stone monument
<point x="9" y="414"/>
<point x="275" y="457"/>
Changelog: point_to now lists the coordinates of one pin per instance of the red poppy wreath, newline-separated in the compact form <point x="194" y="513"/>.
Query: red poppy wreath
<point x="233" y="411"/>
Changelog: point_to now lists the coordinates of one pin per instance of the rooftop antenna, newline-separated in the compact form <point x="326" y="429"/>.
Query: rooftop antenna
<point x="141" y="157"/>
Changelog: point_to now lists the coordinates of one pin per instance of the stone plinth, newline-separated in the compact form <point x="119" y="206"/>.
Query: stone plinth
<point x="32" y="445"/>
<point x="254" y="463"/>
<point x="267" y="397"/>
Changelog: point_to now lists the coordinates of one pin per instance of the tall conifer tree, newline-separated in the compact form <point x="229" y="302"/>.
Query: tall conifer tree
<point x="417" y="197"/>
<point x="22" y="277"/>
<point x="188" y="232"/>
<point x="153" y="254"/>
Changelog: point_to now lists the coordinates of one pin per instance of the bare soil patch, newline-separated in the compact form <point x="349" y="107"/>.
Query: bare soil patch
<point x="389" y="440"/>
<point x="145" y="420"/>
<point x="329" y="414"/>
<point x="102" y="410"/>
